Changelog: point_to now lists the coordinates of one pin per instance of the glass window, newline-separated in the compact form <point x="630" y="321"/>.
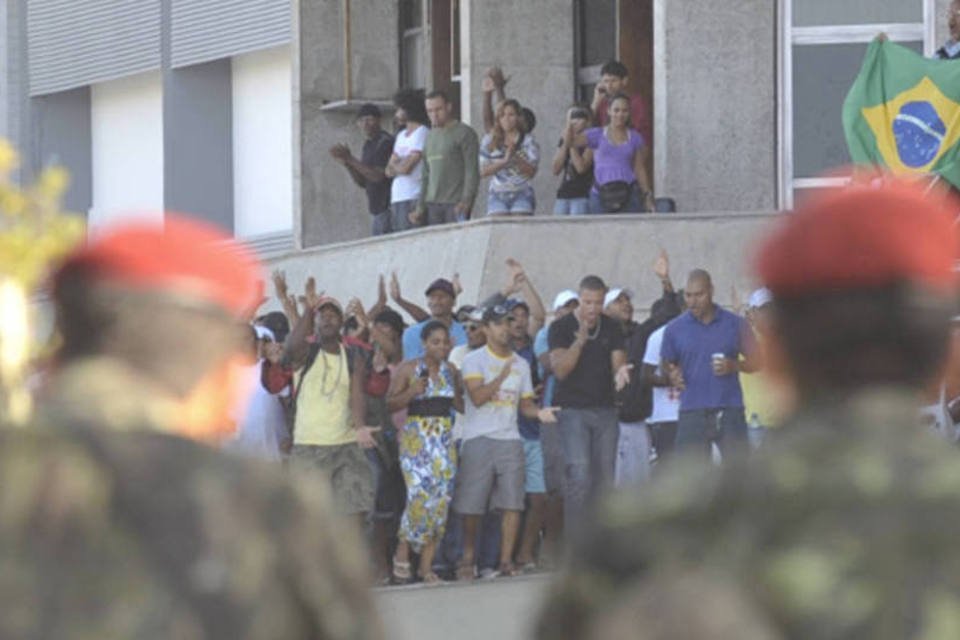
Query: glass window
<point x="822" y="77"/>
<point x="411" y="45"/>
<point x="411" y="14"/>
<point x="812" y="13"/>
<point x="598" y="31"/>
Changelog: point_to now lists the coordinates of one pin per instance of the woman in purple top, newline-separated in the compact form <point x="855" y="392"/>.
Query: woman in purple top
<point x="617" y="152"/>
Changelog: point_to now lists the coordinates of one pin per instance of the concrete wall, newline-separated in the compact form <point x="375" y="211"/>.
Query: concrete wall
<point x="197" y="142"/>
<point x="720" y="104"/>
<point x="533" y="42"/>
<point x="331" y="208"/>
<point x="556" y="254"/>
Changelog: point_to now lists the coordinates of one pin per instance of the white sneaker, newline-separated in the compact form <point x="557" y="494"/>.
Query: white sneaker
<point x="488" y="574"/>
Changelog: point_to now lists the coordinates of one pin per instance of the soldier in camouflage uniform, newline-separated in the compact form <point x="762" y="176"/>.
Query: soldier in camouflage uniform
<point x="846" y="526"/>
<point x="114" y="525"/>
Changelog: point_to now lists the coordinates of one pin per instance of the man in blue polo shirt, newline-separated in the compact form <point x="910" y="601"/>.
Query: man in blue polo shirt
<point x="701" y="352"/>
<point x="441" y="297"/>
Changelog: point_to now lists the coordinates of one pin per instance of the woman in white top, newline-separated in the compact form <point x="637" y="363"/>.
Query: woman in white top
<point x="405" y="166"/>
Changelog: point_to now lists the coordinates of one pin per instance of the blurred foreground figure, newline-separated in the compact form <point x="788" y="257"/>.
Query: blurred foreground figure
<point x="845" y="527"/>
<point x="114" y="521"/>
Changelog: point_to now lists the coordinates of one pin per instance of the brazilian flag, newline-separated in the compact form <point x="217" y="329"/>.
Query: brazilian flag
<point x="903" y="113"/>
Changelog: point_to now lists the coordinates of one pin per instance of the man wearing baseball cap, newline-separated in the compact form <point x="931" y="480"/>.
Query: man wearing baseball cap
<point x="842" y="525"/>
<point x="368" y="172"/>
<point x="120" y="519"/>
<point x="329" y="433"/>
<point x="441" y="299"/>
<point x="499" y="386"/>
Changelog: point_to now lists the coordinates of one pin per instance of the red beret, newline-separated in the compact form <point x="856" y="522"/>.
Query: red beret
<point x="183" y="256"/>
<point x="863" y="237"/>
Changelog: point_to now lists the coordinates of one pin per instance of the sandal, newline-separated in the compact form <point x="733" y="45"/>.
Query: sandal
<point x="507" y="570"/>
<point x="430" y="579"/>
<point x="401" y="572"/>
<point x="466" y="573"/>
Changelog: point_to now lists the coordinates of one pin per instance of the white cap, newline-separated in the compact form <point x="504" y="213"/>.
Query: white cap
<point x="760" y="297"/>
<point x="564" y="298"/>
<point x="263" y="333"/>
<point x="615" y="293"/>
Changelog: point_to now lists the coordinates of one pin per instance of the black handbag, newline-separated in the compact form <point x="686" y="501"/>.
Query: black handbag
<point x="615" y="195"/>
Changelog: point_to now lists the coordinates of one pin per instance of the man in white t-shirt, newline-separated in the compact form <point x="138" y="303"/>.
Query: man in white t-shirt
<point x="666" y="398"/>
<point x="406" y="165"/>
<point x="261" y="426"/>
<point x="491" y="459"/>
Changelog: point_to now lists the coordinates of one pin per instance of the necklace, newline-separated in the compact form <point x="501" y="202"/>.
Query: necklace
<point x="326" y="371"/>
<point x="596" y="330"/>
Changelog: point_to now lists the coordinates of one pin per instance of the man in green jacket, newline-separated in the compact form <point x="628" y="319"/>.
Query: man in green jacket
<point x="450" y="168"/>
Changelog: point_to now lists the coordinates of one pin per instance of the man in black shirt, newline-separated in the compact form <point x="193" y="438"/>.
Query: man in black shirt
<point x="589" y="361"/>
<point x="368" y="171"/>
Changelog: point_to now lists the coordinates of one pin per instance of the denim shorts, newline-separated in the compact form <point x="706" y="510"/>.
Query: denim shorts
<point x="521" y="201"/>
<point x="533" y="467"/>
<point x="571" y="207"/>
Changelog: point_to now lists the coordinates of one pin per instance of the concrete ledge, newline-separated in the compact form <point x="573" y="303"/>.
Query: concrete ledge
<point x="556" y="251"/>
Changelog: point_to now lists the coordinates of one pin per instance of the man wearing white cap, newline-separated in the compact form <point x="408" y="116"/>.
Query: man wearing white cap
<point x="758" y="401"/>
<point x="635" y="401"/>
<point x="261" y="426"/>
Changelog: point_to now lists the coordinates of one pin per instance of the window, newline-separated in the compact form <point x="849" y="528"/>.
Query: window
<point x="822" y="44"/>
<point x="412" y="72"/>
<point x="596" y="42"/>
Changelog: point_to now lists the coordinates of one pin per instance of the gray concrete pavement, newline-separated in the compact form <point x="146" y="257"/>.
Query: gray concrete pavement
<point x="502" y="609"/>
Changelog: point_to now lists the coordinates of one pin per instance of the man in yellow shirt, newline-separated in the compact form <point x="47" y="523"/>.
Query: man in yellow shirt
<point x="329" y="433"/>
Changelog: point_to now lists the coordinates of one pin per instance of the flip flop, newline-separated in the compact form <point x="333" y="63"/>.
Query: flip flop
<point x="431" y="579"/>
<point x="466" y="573"/>
<point x="507" y="570"/>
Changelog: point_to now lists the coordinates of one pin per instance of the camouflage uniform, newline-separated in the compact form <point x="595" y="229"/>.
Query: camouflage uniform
<point x="112" y="528"/>
<point x="846" y="527"/>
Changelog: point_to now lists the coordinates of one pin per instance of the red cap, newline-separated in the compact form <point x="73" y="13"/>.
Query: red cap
<point x="864" y="237"/>
<point x="182" y="256"/>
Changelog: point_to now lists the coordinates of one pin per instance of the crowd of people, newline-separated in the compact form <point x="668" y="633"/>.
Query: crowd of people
<point x="430" y="171"/>
<point x="471" y="440"/>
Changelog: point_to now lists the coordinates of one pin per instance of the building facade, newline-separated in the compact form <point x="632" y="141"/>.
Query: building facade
<point x="226" y="109"/>
<point x="156" y="105"/>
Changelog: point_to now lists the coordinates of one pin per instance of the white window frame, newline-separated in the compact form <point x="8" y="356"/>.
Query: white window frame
<point x="789" y="36"/>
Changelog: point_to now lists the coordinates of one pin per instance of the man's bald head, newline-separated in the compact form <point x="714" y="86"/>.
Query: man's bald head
<point x="701" y="277"/>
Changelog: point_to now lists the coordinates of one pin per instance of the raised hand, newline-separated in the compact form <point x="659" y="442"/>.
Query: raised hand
<point x="310" y="296"/>
<point x="457" y="287"/>
<point x="381" y="291"/>
<point x="394" y="287"/>
<point x="661" y="266"/>
<point x="279" y="278"/>
<point x="736" y="302"/>
<point x="486" y="84"/>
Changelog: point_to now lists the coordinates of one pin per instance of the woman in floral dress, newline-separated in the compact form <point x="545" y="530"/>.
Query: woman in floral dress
<point x="430" y="388"/>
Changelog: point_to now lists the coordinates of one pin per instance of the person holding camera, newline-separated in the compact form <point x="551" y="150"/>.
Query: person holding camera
<point x="569" y="161"/>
